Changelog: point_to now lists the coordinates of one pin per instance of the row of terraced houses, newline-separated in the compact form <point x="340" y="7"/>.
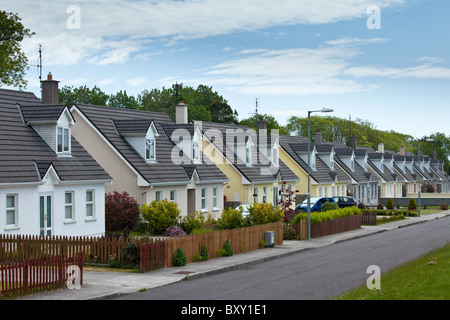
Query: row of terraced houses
<point x="57" y="162"/>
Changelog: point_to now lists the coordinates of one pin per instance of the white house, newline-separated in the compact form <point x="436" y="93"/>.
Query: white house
<point x="49" y="184"/>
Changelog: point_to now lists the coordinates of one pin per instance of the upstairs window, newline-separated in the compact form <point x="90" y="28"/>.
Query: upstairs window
<point x="63" y="140"/>
<point x="150" y="153"/>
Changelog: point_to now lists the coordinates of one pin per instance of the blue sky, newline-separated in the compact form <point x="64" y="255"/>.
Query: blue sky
<point x="291" y="55"/>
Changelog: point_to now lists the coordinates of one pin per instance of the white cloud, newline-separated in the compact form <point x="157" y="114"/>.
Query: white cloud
<point x="423" y="71"/>
<point x="136" y="82"/>
<point x="104" y="24"/>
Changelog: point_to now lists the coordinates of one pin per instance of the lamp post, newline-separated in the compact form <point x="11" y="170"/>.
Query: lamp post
<point x="308" y="204"/>
<point x="418" y="151"/>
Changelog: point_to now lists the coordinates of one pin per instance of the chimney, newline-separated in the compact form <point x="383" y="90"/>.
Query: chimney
<point x="402" y="151"/>
<point x="261" y="135"/>
<point x="381" y="147"/>
<point x="318" y="138"/>
<point x="353" y="142"/>
<point x="181" y="113"/>
<point x="49" y="90"/>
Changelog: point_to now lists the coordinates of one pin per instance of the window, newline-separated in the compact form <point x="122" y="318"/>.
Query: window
<point x="90" y="203"/>
<point x="11" y="209"/>
<point x="63" y="140"/>
<point x="275" y="160"/>
<point x="158" y="195"/>
<point x="264" y="195"/>
<point x="150" y="149"/>
<point x="173" y="195"/>
<point x="68" y="203"/>
<point x="248" y="156"/>
<point x="204" y="203"/>
<point x="215" y="193"/>
<point x="255" y="194"/>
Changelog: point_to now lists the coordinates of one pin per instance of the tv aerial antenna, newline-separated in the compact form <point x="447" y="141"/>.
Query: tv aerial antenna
<point x="39" y="65"/>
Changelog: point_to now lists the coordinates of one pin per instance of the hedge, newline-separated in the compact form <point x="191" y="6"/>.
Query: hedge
<point x="318" y="217"/>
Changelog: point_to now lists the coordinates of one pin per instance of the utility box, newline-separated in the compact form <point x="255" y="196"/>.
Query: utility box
<point x="269" y="238"/>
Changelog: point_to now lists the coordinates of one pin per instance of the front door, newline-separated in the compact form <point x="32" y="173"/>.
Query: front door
<point x="45" y="215"/>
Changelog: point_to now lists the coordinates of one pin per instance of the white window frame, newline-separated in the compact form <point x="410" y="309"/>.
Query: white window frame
<point x="158" y="195"/>
<point x="264" y="195"/>
<point x="90" y="203"/>
<point x="63" y="133"/>
<point x="204" y="200"/>
<point x="215" y="198"/>
<point x="13" y="210"/>
<point x="69" y="205"/>
<point x="255" y="191"/>
<point x="150" y="149"/>
<point x="173" y="196"/>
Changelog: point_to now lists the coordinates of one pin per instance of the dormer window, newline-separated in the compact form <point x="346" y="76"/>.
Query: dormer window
<point x="196" y="146"/>
<point x="63" y="140"/>
<point x="275" y="157"/>
<point x="331" y="161"/>
<point x="150" y="153"/>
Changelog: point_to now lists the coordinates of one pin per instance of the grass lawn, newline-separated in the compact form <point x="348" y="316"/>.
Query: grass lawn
<point x="427" y="278"/>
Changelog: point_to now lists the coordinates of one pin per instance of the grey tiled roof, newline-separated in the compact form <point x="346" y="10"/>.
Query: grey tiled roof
<point x="25" y="157"/>
<point x="293" y="146"/>
<point x="259" y="171"/>
<point x="110" y="122"/>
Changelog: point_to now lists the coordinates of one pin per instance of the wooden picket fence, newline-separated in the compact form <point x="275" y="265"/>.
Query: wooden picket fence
<point x="152" y="255"/>
<point x="101" y="250"/>
<point x="241" y="240"/>
<point x="39" y="274"/>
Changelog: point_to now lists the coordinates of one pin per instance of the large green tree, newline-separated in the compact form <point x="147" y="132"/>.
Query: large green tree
<point x="84" y="95"/>
<point x="271" y="123"/>
<point x="13" y="62"/>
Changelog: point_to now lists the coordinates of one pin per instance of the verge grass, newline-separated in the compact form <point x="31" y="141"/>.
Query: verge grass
<point x="426" y="278"/>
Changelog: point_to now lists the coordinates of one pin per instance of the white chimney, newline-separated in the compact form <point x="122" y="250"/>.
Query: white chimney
<point x="181" y="113"/>
<point x="381" y="147"/>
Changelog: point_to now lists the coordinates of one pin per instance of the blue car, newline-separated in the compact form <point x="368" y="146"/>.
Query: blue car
<point x="315" y="203"/>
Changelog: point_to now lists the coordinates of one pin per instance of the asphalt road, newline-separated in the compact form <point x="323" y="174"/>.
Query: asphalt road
<point x="315" y="274"/>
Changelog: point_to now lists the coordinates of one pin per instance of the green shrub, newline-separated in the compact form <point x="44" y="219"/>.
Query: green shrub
<point x="231" y="219"/>
<point x="327" y="206"/>
<point x="390" y="204"/>
<point x="179" y="258"/>
<point x="220" y="252"/>
<point x="192" y="221"/>
<point x="318" y="217"/>
<point x="261" y="213"/>
<point x="412" y="205"/>
<point x="204" y="253"/>
<point x="228" y="249"/>
<point x="160" y="215"/>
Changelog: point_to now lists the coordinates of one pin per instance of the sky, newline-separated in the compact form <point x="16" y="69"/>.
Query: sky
<point x="385" y="61"/>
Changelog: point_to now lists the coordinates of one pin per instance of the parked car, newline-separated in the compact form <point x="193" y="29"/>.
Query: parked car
<point x="244" y="207"/>
<point x="315" y="203"/>
<point x="344" y="202"/>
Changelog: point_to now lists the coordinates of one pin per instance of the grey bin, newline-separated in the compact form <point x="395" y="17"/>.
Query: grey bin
<point x="269" y="238"/>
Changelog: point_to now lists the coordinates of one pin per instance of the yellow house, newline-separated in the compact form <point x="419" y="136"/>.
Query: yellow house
<point x="326" y="178"/>
<point x="249" y="160"/>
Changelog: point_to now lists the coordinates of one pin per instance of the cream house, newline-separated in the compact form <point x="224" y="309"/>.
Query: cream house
<point x="136" y="149"/>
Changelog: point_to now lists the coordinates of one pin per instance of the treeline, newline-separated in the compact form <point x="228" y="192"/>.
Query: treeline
<point x="203" y="103"/>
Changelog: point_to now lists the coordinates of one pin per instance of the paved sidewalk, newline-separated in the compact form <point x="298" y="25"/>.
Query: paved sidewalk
<point x="104" y="285"/>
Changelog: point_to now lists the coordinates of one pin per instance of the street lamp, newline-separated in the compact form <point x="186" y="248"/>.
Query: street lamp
<point x="308" y="204"/>
<point x="418" y="151"/>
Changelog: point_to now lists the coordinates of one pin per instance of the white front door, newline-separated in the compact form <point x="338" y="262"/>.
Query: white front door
<point x="45" y="214"/>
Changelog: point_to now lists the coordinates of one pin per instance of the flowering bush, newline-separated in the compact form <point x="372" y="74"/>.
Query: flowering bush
<point x="121" y="212"/>
<point x="175" y="231"/>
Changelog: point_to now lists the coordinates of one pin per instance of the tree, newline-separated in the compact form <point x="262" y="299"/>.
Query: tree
<point x="83" y="95"/>
<point x="123" y="101"/>
<point x="13" y="62"/>
<point x="271" y="123"/>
